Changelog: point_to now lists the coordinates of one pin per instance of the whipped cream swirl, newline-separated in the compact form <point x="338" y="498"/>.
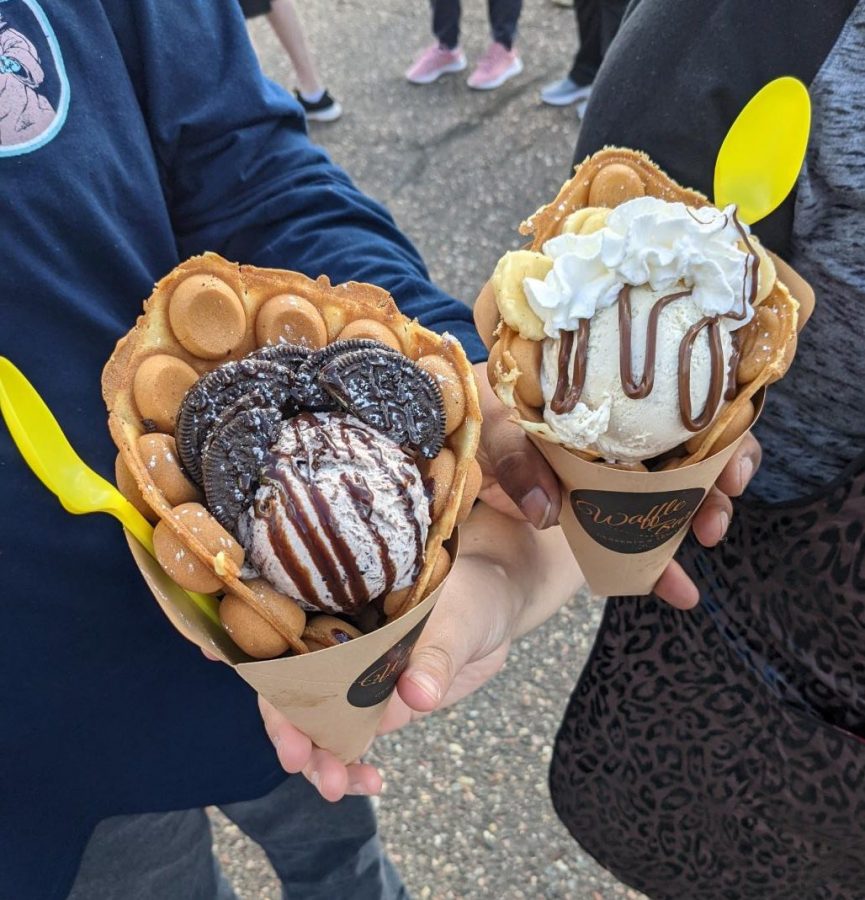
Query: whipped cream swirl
<point x="645" y="241"/>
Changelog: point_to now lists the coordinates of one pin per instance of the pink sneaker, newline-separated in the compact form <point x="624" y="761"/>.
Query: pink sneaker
<point x="434" y="62"/>
<point x="494" y="68"/>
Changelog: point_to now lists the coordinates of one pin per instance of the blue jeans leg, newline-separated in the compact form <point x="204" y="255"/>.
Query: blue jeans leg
<point x="320" y="850"/>
<point x="155" y="856"/>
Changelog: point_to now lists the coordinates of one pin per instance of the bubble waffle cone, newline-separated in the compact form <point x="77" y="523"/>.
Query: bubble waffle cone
<point x="603" y="181"/>
<point x="336" y="696"/>
<point x="209" y="311"/>
<point x="624" y="522"/>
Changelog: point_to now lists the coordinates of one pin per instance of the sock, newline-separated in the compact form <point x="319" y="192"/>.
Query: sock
<point x="314" y="97"/>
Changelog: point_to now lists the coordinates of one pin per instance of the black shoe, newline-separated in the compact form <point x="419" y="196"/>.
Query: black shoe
<point x="325" y="109"/>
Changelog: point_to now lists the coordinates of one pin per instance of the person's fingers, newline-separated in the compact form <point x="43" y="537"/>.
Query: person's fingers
<point x="429" y="675"/>
<point x="333" y="780"/>
<point x="296" y="753"/>
<point x="326" y="774"/>
<point x="712" y="518"/>
<point x="741" y="468"/>
<point x="293" y="747"/>
<point x="493" y="494"/>
<point x="676" y="587"/>
<point x="525" y="476"/>
<point x="479" y="634"/>
<point x="208" y="655"/>
<point x="515" y="463"/>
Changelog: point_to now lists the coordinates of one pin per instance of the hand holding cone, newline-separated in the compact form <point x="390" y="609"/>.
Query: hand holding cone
<point x="548" y="354"/>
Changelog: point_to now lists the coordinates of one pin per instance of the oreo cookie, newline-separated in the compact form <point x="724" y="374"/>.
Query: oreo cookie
<point x="390" y="393"/>
<point x="309" y="393"/>
<point x="219" y="389"/>
<point x="234" y="459"/>
<point x="292" y="356"/>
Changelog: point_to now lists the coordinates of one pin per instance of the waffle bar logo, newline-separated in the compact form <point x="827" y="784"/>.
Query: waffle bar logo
<point x="634" y="523"/>
<point x="378" y="681"/>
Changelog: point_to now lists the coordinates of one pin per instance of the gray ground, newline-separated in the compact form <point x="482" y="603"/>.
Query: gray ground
<point x="465" y="812"/>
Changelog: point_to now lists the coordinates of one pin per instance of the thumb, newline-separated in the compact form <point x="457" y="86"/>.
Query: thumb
<point x="521" y="472"/>
<point x="475" y="633"/>
<point x="429" y="675"/>
<point x="516" y="464"/>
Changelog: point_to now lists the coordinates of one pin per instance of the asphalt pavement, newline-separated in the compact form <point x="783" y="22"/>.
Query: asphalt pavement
<point x="465" y="812"/>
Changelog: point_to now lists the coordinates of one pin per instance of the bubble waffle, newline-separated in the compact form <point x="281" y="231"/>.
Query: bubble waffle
<point x="514" y="333"/>
<point x="208" y="312"/>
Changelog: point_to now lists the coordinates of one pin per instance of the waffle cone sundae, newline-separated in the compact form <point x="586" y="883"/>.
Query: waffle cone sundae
<point x="305" y="451"/>
<point x="633" y="339"/>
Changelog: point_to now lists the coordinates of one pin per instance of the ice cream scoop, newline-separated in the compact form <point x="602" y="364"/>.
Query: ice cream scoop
<point x="340" y="517"/>
<point x="659" y="404"/>
<point x="639" y="309"/>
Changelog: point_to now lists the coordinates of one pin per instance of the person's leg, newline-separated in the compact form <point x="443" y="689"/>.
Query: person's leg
<point x="611" y="13"/>
<point x="588" y="57"/>
<point x="446" y="22"/>
<point x="168" y="856"/>
<point x="317" y="103"/>
<point x="504" y="15"/>
<point x="319" y="850"/>
<point x="500" y="61"/>
<point x="254" y="8"/>
<point x="286" y="24"/>
<point x="576" y="86"/>
<point x="445" y="55"/>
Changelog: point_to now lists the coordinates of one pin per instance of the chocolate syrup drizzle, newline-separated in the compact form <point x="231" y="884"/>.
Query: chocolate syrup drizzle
<point x="293" y="480"/>
<point x="571" y="378"/>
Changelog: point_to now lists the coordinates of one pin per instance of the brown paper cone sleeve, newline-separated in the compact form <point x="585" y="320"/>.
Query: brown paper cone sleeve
<point x="335" y="696"/>
<point x="624" y="527"/>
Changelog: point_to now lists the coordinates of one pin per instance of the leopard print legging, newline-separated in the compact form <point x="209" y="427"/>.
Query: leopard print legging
<point x="713" y="754"/>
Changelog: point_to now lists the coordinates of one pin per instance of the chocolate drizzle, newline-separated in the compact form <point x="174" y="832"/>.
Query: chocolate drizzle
<point x="362" y="498"/>
<point x="315" y="520"/>
<point x="716" y="376"/>
<point x="568" y="389"/>
<point x="636" y="390"/>
<point x="571" y="377"/>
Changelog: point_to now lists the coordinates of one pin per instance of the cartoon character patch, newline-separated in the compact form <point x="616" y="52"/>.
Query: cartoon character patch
<point x="34" y="91"/>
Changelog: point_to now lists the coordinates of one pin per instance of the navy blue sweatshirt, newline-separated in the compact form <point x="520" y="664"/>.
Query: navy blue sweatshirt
<point x="133" y="134"/>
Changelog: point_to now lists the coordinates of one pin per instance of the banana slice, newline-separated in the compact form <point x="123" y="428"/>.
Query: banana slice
<point x="507" y="282"/>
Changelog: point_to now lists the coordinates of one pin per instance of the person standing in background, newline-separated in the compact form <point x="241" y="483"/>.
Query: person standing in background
<point x="499" y="62"/>
<point x="597" y="23"/>
<point x="314" y="97"/>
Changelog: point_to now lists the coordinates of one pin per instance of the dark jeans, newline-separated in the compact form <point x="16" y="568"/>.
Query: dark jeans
<point x="504" y="15"/>
<point x="253" y="8"/>
<point x="597" y="24"/>
<point x="320" y="851"/>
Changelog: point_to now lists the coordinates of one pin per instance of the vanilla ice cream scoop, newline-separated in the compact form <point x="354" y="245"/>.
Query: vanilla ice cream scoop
<point x="341" y="515"/>
<point x="639" y="317"/>
<point x="665" y="396"/>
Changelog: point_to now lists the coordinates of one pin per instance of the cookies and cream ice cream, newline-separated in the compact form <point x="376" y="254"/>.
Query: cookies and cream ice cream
<point x="637" y="308"/>
<point x="340" y="516"/>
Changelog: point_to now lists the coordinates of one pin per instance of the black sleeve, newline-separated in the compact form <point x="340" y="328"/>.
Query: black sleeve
<point x="679" y="72"/>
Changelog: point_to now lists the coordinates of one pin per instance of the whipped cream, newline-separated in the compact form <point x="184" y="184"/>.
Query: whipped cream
<point x="645" y="242"/>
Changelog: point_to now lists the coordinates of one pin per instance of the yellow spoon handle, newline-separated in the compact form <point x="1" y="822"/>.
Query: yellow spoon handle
<point x="142" y="531"/>
<point x="132" y="520"/>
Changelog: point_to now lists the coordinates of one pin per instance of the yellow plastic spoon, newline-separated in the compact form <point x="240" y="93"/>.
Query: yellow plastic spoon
<point x="55" y="463"/>
<point x="762" y="154"/>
